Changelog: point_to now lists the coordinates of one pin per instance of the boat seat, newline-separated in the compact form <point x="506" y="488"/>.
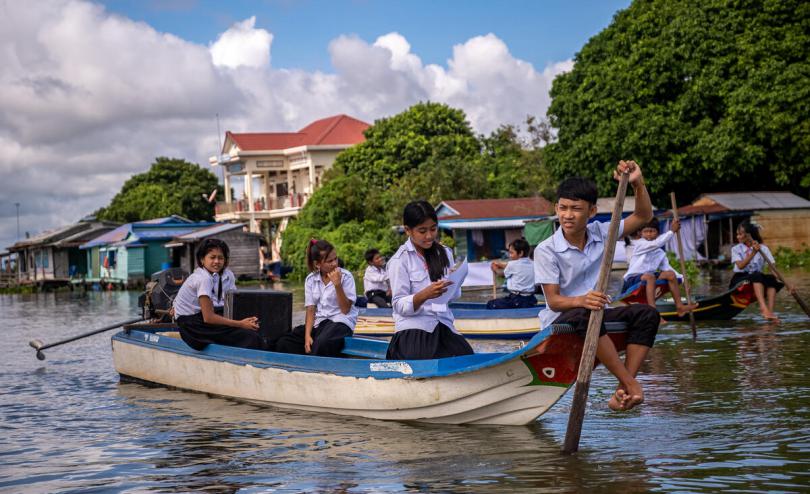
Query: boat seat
<point x="365" y="348"/>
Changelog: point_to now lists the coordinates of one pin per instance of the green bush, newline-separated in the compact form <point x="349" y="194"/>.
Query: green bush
<point x="692" y="273"/>
<point x="789" y="259"/>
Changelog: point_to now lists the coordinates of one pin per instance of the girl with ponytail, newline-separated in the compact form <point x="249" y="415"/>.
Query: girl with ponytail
<point x="417" y="272"/>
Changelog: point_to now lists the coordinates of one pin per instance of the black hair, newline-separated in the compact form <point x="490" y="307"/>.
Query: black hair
<point x="653" y="223"/>
<point x="317" y="251"/>
<point x="521" y="246"/>
<point x="578" y="189"/>
<point x="416" y="213"/>
<point x="210" y="244"/>
<point x="369" y="255"/>
<point x="751" y="229"/>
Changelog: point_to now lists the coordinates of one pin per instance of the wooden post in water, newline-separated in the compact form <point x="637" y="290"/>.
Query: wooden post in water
<point x="683" y="264"/>
<point x="577" y="415"/>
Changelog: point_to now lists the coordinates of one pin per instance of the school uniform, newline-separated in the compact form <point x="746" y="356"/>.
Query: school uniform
<point x="753" y="270"/>
<point x="648" y="257"/>
<point x="194" y="330"/>
<point x="427" y="332"/>
<point x="520" y="284"/>
<point x="576" y="271"/>
<point x="375" y="286"/>
<point x="331" y="325"/>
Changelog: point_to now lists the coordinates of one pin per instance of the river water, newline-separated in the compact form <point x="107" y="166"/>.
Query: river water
<point x="730" y="411"/>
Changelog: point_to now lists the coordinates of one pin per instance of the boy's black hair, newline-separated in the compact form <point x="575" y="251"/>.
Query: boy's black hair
<point x="210" y="244"/>
<point x="653" y="224"/>
<point x="416" y="213"/>
<point x="521" y="246"/>
<point x="578" y="189"/>
<point x="370" y="253"/>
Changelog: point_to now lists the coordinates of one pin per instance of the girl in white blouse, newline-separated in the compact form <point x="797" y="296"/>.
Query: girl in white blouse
<point x="748" y="264"/>
<point x="329" y="296"/>
<point x="423" y="328"/>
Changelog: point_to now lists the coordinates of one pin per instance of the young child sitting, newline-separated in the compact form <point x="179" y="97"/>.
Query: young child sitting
<point x="329" y="297"/>
<point x="567" y="266"/>
<point x="375" y="280"/>
<point x="519" y="273"/>
<point x="195" y="305"/>
<point x="649" y="263"/>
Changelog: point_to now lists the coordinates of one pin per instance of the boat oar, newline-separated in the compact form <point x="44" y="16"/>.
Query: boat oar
<point x="577" y="414"/>
<point x="683" y="266"/>
<point x="781" y="279"/>
<point x="38" y="345"/>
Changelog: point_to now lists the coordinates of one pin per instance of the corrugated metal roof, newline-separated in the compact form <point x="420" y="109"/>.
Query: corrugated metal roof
<point x="117" y="235"/>
<point x="482" y="224"/>
<point x="211" y="230"/>
<point x="755" y="201"/>
<point x="163" y="233"/>
<point x="480" y="209"/>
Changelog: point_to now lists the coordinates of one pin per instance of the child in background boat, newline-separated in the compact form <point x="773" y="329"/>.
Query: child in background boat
<point x="649" y="263"/>
<point x="567" y="265"/>
<point x="748" y="265"/>
<point x="423" y="330"/>
<point x="375" y="280"/>
<point x="519" y="273"/>
<point x="195" y="310"/>
<point x="329" y="296"/>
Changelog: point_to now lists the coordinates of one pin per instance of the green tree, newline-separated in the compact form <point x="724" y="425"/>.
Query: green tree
<point x="170" y="186"/>
<point x="705" y="95"/>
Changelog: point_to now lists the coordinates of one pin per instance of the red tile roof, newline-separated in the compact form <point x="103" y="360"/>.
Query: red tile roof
<point x="498" y="208"/>
<point x="336" y="130"/>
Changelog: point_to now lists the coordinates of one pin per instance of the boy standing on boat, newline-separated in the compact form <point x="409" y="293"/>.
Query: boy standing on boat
<point x="567" y="266"/>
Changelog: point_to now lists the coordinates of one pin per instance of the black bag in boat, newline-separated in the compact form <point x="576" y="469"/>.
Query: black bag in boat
<point x="273" y="308"/>
<point x="158" y="297"/>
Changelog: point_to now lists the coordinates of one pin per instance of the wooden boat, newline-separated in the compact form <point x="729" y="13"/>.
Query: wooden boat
<point x="718" y="307"/>
<point x="473" y="320"/>
<point x="510" y="388"/>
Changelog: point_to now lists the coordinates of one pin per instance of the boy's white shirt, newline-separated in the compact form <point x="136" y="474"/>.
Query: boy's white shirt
<point x="375" y="279"/>
<point x="648" y="256"/>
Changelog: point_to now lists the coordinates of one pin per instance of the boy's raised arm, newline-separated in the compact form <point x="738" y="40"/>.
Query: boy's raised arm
<point x="643" y="212"/>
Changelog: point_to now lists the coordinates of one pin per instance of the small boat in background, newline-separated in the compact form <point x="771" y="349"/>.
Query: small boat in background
<point x="509" y="388"/>
<point x="717" y="307"/>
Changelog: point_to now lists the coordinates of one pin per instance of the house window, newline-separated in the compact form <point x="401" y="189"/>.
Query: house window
<point x="236" y="168"/>
<point x="281" y="189"/>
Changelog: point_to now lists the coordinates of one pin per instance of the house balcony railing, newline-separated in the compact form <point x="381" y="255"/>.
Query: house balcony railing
<point x="261" y="205"/>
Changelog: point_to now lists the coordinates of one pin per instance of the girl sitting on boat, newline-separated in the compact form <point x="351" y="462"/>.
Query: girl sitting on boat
<point x="423" y="328"/>
<point x="748" y="264"/>
<point x="519" y="273"/>
<point x="329" y="296"/>
<point x="194" y="306"/>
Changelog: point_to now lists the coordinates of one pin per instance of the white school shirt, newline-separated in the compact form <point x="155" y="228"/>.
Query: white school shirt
<point x="324" y="298"/>
<point x="408" y="275"/>
<point x="648" y="257"/>
<point x="200" y="282"/>
<point x="520" y="276"/>
<point x="558" y="262"/>
<point x="741" y="251"/>
<point x="375" y="279"/>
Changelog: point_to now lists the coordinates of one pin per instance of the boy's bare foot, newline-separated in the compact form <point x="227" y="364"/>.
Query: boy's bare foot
<point x="684" y="308"/>
<point x="615" y="401"/>
<point x="662" y="321"/>
<point x="770" y="316"/>
<point x="634" y="396"/>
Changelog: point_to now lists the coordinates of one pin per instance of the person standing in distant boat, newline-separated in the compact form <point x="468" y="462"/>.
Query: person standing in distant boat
<point x="375" y="280"/>
<point x="418" y="271"/>
<point x="748" y="265"/>
<point x="329" y="296"/>
<point x="519" y="273"/>
<point x="195" y="310"/>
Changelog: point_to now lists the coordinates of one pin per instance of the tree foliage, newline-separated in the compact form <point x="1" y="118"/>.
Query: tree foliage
<point x="705" y="95"/>
<point x="170" y="186"/>
<point x="426" y="152"/>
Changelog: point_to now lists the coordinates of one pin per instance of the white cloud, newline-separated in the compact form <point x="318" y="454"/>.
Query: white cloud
<point x="89" y="98"/>
<point x="242" y="46"/>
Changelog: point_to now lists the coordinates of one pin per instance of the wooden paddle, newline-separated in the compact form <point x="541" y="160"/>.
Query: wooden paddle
<point x="683" y="266"/>
<point x="577" y="415"/>
<point x="781" y="279"/>
<point x="38" y="345"/>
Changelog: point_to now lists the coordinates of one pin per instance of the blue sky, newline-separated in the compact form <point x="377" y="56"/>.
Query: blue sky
<point x="540" y="31"/>
<point x="93" y="92"/>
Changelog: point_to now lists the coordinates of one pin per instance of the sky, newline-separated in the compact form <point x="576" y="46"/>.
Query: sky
<point x="92" y="92"/>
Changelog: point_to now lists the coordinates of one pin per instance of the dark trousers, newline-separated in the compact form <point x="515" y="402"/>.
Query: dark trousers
<point x="197" y="334"/>
<point x="327" y="339"/>
<point x="641" y="320"/>
<point x="378" y="298"/>
<point x="513" y="301"/>
<point x="415" y="344"/>
<point x="768" y="280"/>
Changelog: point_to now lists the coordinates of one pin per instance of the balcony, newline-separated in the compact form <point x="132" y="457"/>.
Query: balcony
<point x="280" y="207"/>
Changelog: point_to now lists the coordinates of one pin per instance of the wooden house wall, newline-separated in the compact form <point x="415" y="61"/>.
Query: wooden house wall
<point x="135" y="263"/>
<point x="244" y="257"/>
<point x="785" y="228"/>
<point x="154" y="258"/>
<point x="61" y="264"/>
